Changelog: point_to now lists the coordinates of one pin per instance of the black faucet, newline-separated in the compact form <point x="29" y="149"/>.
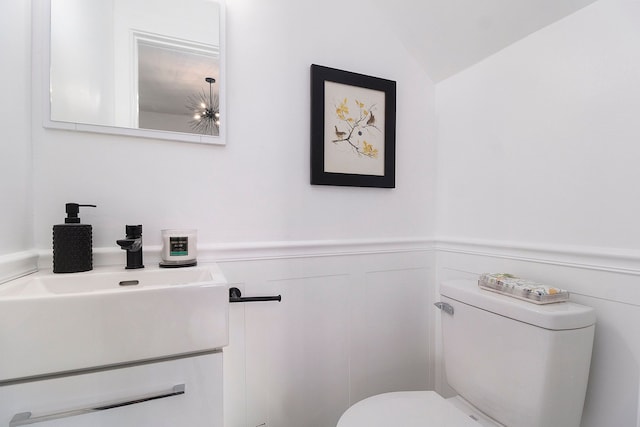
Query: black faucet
<point x="133" y="245"/>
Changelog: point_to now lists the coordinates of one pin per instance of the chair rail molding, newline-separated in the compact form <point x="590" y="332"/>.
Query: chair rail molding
<point x="17" y="264"/>
<point x="611" y="260"/>
<point x="247" y="251"/>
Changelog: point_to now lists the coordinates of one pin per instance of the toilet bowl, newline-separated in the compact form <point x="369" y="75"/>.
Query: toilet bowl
<point x="513" y="363"/>
<point x="409" y="409"/>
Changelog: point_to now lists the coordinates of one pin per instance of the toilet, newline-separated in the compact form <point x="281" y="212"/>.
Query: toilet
<point x="511" y="362"/>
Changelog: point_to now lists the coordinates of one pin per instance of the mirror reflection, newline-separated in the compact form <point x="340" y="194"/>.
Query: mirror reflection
<point x="123" y="63"/>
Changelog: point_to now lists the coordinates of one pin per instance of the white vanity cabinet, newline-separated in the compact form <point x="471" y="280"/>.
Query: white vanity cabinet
<point x="99" y="348"/>
<point x="178" y="392"/>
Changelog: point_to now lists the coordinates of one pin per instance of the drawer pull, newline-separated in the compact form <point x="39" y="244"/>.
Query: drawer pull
<point x="24" y="418"/>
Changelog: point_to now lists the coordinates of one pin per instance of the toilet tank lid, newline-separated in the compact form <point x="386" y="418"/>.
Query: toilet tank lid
<point x="556" y="316"/>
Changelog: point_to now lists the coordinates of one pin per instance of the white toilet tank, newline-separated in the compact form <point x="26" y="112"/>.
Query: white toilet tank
<point x="523" y="364"/>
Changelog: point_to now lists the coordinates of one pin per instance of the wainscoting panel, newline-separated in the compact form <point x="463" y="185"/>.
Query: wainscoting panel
<point x="297" y="352"/>
<point x="391" y="336"/>
<point x="349" y="326"/>
<point x="357" y="319"/>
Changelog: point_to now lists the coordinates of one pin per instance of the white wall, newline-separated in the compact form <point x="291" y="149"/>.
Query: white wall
<point x="539" y="143"/>
<point x="257" y="187"/>
<point x="15" y="121"/>
<point x="538" y="149"/>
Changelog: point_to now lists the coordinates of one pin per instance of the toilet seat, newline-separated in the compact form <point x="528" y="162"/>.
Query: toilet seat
<point x="406" y="409"/>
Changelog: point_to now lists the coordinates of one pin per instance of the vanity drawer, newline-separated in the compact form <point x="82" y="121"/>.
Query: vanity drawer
<point x="178" y="392"/>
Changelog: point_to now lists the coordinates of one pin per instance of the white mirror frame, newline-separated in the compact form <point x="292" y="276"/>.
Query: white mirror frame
<point x="42" y="24"/>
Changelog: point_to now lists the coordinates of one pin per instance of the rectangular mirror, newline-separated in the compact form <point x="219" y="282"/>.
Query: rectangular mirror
<point x="136" y="68"/>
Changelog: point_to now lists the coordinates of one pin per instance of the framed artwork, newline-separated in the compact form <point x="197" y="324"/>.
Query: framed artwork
<point x="353" y="129"/>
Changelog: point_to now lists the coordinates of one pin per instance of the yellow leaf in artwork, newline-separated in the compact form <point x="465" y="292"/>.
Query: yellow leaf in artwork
<point x="365" y="112"/>
<point x="350" y="119"/>
<point x="368" y="150"/>
<point x="342" y="109"/>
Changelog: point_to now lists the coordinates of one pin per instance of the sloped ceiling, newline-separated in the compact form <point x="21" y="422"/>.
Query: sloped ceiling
<point x="447" y="36"/>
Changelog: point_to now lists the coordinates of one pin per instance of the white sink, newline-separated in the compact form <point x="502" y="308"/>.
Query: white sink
<point x="53" y="323"/>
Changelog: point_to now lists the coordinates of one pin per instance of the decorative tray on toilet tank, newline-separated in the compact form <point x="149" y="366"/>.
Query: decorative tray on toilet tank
<point x="528" y="290"/>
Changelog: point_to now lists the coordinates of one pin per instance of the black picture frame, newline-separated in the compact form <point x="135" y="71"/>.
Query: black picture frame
<point x="353" y="129"/>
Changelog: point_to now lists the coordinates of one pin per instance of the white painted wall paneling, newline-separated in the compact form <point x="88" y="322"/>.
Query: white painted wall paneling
<point x="348" y="327"/>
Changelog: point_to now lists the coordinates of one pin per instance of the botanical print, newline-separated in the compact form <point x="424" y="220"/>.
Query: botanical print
<point x="354" y="130"/>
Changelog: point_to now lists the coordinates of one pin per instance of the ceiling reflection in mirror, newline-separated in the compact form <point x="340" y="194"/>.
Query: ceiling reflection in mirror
<point x="122" y="63"/>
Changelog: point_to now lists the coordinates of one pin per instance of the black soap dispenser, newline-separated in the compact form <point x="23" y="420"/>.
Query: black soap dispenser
<point x="72" y="243"/>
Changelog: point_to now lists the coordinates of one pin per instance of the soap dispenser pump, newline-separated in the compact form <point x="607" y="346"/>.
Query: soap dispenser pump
<point x="72" y="243"/>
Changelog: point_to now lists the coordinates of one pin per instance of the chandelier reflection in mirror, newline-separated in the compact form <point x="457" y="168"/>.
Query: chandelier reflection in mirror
<point x="206" y="111"/>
